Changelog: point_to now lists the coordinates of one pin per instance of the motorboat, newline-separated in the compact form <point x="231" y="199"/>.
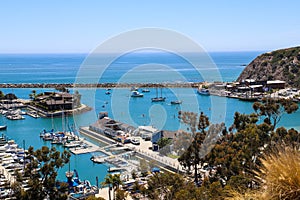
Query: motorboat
<point x="135" y="141"/>
<point x="3" y="127"/>
<point x="145" y="90"/>
<point x="203" y="91"/>
<point x="136" y="94"/>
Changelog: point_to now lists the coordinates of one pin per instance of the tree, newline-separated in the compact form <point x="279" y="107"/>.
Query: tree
<point x="273" y="109"/>
<point x="113" y="181"/>
<point x="162" y="142"/>
<point x="164" y="185"/>
<point x="42" y="172"/>
<point x="191" y="157"/>
<point x="1" y="95"/>
<point x="120" y="194"/>
<point x="32" y="95"/>
<point x="61" y="88"/>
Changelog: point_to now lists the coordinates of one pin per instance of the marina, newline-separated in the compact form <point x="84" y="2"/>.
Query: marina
<point x="119" y="148"/>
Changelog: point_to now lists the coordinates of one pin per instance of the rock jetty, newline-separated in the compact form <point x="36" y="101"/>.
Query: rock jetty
<point x="99" y="85"/>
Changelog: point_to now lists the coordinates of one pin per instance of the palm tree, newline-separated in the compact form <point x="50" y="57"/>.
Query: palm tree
<point x="108" y="181"/>
<point x="113" y="181"/>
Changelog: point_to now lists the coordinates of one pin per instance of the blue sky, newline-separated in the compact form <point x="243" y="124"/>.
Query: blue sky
<point x="58" y="26"/>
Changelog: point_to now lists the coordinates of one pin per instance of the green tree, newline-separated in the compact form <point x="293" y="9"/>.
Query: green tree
<point x="121" y="194"/>
<point x="164" y="185"/>
<point x="113" y="181"/>
<point x="162" y="142"/>
<point x="273" y="109"/>
<point x="42" y="173"/>
<point x="32" y="95"/>
<point x="192" y="157"/>
<point x="1" y="95"/>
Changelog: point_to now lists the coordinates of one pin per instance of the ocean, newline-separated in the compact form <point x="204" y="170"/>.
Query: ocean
<point x="131" y="67"/>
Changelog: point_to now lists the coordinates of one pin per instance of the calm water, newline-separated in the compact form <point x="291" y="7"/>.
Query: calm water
<point x="119" y="105"/>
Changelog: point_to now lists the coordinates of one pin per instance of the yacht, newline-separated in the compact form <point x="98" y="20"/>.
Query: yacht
<point x="203" y="91"/>
<point x="136" y="94"/>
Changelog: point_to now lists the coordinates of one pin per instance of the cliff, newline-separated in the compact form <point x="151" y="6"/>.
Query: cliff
<point x="283" y="64"/>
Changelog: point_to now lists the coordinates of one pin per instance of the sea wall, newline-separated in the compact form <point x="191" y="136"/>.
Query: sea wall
<point x="99" y="85"/>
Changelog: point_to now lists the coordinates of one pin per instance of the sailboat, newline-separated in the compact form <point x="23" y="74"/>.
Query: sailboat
<point x="158" y="99"/>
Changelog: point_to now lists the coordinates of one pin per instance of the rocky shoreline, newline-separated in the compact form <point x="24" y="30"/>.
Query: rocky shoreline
<point x="100" y="85"/>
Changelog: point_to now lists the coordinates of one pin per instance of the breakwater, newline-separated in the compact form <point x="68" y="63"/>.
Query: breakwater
<point x="100" y="85"/>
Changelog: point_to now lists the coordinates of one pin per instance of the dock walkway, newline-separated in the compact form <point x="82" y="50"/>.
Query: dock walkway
<point x="142" y="150"/>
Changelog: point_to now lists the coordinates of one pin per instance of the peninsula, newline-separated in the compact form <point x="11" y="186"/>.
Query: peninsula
<point x="283" y="64"/>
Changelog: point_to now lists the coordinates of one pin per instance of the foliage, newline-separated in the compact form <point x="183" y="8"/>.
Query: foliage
<point x="162" y="142"/>
<point x="61" y="88"/>
<point x="41" y="172"/>
<point x="121" y="194"/>
<point x="1" y="94"/>
<point x="113" y="181"/>
<point x="234" y="156"/>
<point x="191" y="157"/>
<point x="272" y="109"/>
<point x="164" y="185"/>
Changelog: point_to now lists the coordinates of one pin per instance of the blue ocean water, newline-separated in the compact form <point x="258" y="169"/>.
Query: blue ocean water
<point x="135" y="67"/>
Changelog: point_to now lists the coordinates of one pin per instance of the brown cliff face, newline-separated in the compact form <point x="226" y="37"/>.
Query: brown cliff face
<point x="283" y="64"/>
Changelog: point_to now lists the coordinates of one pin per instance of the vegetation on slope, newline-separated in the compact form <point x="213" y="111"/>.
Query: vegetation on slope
<point x="283" y="64"/>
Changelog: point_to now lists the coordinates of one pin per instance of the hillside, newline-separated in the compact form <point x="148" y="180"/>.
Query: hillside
<point x="283" y="64"/>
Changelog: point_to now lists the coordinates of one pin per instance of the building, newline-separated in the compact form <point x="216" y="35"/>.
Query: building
<point x="111" y="128"/>
<point x="53" y="101"/>
<point x="276" y="84"/>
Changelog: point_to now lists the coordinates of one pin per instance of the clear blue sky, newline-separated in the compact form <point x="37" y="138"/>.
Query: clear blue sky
<point x="80" y="26"/>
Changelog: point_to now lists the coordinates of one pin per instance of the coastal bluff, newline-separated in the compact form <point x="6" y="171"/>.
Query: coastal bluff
<point x="283" y="64"/>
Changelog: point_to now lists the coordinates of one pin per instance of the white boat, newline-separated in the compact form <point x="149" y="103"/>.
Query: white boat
<point x="73" y="144"/>
<point x="3" y="127"/>
<point x="33" y="114"/>
<point x="114" y="169"/>
<point x="100" y="159"/>
<point x="135" y="141"/>
<point x="15" y="117"/>
<point x="145" y="90"/>
<point x="203" y="91"/>
<point x="136" y="94"/>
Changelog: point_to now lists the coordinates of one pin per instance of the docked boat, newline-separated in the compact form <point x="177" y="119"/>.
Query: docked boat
<point x="246" y="98"/>
<point x="135" y="141"/>
<point x="176" y="102"/>
<point x="98" y="160"/>
<point x="15" y="117"/>
<point x="136" y="94"/>
<point x="203" y="91"/>
<point x="114" y="169"/>
<point x="33" y="114"/>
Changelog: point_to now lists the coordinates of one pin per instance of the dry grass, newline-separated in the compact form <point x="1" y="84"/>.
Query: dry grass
<point x="234" y="195"/>
<point x="281" y="174"/>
